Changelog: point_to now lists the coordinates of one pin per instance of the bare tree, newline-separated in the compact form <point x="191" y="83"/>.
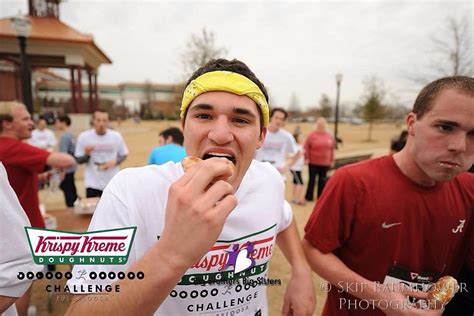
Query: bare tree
<point x="451" y="50"/>
<point x="200" y="49"/>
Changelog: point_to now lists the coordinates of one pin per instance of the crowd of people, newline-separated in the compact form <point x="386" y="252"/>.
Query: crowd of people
<point x="401" y="219"/>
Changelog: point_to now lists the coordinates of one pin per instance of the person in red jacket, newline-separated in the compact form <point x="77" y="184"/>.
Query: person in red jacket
<point x="319" y="155"/>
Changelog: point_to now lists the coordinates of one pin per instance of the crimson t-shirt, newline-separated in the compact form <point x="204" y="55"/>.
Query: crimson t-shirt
<point x="23" y="162"/>
<point x="372" y="217"/>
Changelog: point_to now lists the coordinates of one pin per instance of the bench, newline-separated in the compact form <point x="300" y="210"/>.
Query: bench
<point x="346" y="160"/>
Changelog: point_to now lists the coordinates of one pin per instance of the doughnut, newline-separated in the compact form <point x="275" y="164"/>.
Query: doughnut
<point x="189" y="161"/>
<point x="442" y="292"/>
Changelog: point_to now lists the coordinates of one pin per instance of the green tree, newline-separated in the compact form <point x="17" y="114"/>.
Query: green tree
<point x="325" y="106"/>
<point x="372" y="107"/>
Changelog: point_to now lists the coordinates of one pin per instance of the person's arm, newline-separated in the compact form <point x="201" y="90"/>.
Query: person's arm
<point x="332" y="269"/>
<point x="82" y="151"/>
<point x="6" y="302"/>
<point x="121" y="156"/>
<point x="121" y="159"/>
<point x="83" y="159"/>
<point x="307" y="149"/>
<point x="83" y="156"/>
<point x="14" y="248"/>
<point x="291" y="148"/>
<point x="114" y="162"/>
<point x="60" y="160"/>
<point x="299" y="296"/>
<point x="194" y="219"/>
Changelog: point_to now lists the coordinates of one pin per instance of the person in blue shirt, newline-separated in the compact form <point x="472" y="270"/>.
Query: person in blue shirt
<point x="170" y="148"/>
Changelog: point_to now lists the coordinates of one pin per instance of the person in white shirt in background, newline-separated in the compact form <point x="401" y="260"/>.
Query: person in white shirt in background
<point x="15" y="253"/>
<point x="296" y="171"/>
<point x="279" y="147"/>
<point x="42" y="137"/>
<point x="102" y="150"/>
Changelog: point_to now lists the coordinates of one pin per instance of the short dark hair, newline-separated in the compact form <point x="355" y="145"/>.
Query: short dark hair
<point x="233" y="65"/>
<point x="282" y="110"/>
<point x="175" y="133"/>
<point x="428" y="94"/>
<point x="65" y="119"/>
<point x="100" y="111"/>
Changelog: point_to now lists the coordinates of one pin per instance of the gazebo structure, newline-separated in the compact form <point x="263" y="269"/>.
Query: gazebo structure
<point x="51" y="43"/>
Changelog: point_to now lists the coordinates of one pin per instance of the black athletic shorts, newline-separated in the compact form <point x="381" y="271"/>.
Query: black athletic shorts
<point x="297" y="178"/>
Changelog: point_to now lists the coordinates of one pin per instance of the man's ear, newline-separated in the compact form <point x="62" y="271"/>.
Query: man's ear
<point x="411" y="120"/>
<point x="261" y="138"/>
<point x="6" y="125"/>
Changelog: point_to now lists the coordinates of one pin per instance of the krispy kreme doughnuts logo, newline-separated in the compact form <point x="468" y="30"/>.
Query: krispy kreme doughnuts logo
<point x="98" y="247"/>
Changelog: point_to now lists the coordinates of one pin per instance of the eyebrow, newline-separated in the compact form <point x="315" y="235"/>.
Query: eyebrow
<point x="451" y="123"/>
<point x="237" y="110"/>
<point x="242" y="111"/>
<point x="447" y="122"/>
<point x="201" y="106"/>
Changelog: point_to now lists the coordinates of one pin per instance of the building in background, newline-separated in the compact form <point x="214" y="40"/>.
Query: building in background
<point x="150" y="100"/>
<point x="51" y="44"/>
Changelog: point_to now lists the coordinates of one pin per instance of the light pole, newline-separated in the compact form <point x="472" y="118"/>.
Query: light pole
<point x="336" y="114"/>
<point x="22" y="27"/>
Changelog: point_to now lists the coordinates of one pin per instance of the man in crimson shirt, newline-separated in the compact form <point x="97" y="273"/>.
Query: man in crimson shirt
<point x="400" y="220"/>
<point x="22" y="161"/>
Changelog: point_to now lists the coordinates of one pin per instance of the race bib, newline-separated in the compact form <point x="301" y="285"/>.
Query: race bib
<point x="420" y="281"/>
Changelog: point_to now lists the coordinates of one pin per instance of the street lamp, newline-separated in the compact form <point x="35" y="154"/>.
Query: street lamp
<point x="336" y="114"/>
<point x="22" y="27"/>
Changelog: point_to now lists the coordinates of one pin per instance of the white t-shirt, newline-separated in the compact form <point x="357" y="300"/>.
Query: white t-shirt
<point x="137" y="197"/>
<point x="15" y="255"/>
<point x="299" y="163"/>
<point x="44" y="139"/>
<point x="107" y="147"/>
<point x="275" y="147"/>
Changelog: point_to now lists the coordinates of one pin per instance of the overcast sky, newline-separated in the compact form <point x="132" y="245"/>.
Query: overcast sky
<point x="293" y="47"/>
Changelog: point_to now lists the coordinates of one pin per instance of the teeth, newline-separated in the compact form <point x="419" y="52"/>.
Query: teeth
<point x="448" y="165"/>
<point x="220" y="155"/>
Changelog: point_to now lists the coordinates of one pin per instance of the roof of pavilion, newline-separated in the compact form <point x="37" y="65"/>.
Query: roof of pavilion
<point x="51" y="31"/>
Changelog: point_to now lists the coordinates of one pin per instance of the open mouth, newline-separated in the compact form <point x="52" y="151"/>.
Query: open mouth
<point x="219" y="155"/>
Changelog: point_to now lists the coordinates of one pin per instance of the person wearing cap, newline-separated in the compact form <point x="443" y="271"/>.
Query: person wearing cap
<point x="205" y="237"/>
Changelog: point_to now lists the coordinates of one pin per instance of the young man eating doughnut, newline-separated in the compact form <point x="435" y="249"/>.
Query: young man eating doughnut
<point x="216" y="224"/>
<point x="402" y="219"/>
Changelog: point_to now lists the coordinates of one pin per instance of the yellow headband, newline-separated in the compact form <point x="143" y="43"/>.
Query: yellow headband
<point x="225" y="81"/>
